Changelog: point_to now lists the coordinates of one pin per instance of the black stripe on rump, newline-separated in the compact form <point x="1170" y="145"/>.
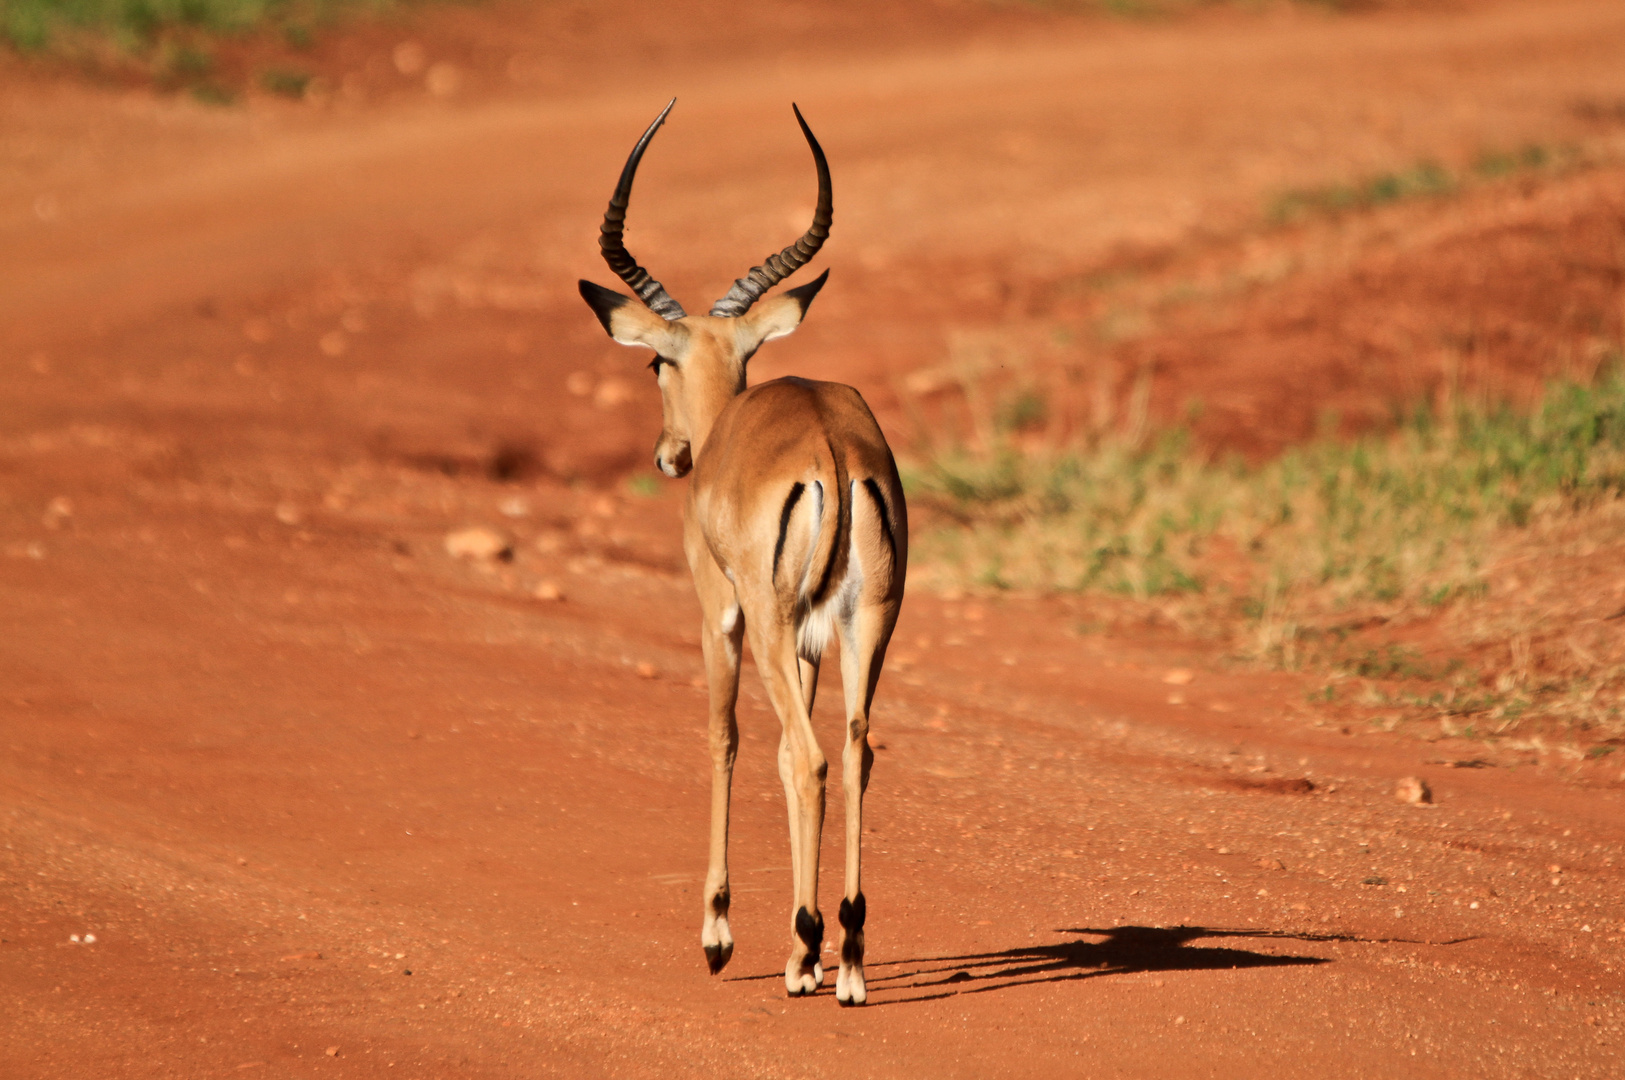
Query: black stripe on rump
<point x="829" y="563"/>
<point x="784" y="523"/>
<point x="885" y="516"/>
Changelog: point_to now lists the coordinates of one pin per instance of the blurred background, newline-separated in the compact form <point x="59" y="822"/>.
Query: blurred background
<point x="1080" y="249"/>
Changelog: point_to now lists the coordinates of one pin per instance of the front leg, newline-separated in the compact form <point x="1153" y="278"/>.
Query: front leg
<point x="721" y="635"/>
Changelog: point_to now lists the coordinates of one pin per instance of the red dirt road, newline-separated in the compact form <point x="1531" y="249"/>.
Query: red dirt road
<point x="333" y="803"/>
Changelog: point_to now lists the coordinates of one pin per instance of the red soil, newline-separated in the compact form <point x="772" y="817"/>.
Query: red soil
<point x="273" y="748"/>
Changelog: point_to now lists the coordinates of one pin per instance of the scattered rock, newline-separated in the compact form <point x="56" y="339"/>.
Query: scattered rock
<point x="309" y="954"/>
<point x="1179" y="677"/>
<point x="59" y="511"/>
<point x="1413" y="790"/>
<point x="1267" y="863"/>
<point x="409" y="59"/>
<point x="548" y="590"/>
<point x="478" y="543"/>
<point x="332" y="1051"/>
<point x="443" y="79"/>
<point x="612" y="393"/>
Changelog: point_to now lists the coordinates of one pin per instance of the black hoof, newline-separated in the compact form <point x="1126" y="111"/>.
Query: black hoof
<point x="717" y="956"/>
<point x="848" y="1003"/>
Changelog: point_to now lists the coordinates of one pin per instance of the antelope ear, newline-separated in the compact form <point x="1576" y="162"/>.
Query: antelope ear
<point x="628" y="321"/>
<point x="781" y="313"/>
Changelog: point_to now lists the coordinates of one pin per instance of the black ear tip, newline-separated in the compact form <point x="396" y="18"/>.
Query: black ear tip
<point x="602" y="301"/>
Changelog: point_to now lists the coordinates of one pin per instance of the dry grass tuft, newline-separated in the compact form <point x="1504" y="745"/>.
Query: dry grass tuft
<point x="1455" y="569"/>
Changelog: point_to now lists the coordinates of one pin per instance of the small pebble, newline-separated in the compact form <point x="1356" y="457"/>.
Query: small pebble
<point x="59" y="510"/>
<point x="443" y="79"/>
<point x="409" y="60"/>
<point x="332" y="1051"/>
<point x="646" y="670"/>
<point x="477" y="543"/>
<point x="1179" y="677"/>
<point x="548" y="590"/>
<point x="1413" y="790"/>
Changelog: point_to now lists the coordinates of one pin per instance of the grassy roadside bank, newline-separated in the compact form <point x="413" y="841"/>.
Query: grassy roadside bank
<point x="177" y="44"/>
<point x="1379" y="560"/>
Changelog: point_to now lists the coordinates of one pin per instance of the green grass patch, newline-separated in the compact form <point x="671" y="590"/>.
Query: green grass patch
<point x="174" y="42"/>
<point x="1424" y="179"/>
<point x="137" y="25"/>
<point x="1405" y="516"/>
<point x="289" y="82"/>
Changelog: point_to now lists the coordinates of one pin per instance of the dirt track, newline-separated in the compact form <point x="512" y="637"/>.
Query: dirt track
<point x="274" y="749"/>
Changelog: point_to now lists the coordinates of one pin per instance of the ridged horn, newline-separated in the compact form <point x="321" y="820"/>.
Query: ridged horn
<point x="748" y="289"/>
<point x="611" y="234"/>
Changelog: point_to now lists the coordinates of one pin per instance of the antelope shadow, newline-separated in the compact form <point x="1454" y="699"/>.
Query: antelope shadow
<point x="1121" y="950"/>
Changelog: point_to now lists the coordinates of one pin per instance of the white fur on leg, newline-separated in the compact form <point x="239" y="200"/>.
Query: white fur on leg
<point x="849" y="985"/>
<point x="799" y="981"/>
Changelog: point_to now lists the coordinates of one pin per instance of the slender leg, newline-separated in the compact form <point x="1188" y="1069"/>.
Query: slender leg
<point x="802" y="768"/>
<point x="863" y="650"/>
<point x="722" y="633"/>
<point x="808" y="670"/>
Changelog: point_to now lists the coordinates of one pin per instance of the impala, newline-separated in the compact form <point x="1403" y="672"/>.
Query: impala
<point x="794" y="529"/>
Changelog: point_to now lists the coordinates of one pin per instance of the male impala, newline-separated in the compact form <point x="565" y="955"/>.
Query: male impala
<point x="794" y="528"/>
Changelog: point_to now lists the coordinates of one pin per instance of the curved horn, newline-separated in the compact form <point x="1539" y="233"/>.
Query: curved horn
<point x="748" y="289"/>
<point x="650" y="291"/>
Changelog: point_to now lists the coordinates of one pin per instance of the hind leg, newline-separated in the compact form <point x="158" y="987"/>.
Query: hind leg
<point x="802" y="768"/>
<point x="863" y="649"/>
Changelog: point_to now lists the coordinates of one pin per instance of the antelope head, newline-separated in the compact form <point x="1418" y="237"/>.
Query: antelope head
<point x="700" y="360"/>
